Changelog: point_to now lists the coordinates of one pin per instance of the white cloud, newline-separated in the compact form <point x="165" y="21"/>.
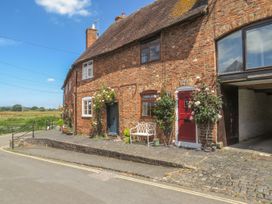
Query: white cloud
<point x="7" y="42"/>
<point x="66" y="7"/>
<point x="51" y="80"/>
<point x="260" y="40"/>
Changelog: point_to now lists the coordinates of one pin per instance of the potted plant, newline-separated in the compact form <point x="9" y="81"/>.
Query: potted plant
<point x="156" y="142"/>
<point x="126" y="134"/>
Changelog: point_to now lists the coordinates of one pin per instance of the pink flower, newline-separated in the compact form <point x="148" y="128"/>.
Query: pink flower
<point x="191" y="118"/>
<point x="193" y="113"/>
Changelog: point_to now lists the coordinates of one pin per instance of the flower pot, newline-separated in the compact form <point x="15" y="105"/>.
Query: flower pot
<point x="156" y="142"/>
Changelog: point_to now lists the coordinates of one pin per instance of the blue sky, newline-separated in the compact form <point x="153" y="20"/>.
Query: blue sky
<point x="40" y="39"/>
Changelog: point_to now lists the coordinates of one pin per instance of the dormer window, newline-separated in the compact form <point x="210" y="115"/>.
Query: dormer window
<point x="87" y="70"/>
<point x="150" y="50"/>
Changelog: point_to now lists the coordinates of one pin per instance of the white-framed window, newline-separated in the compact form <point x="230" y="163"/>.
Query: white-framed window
<point x="87" y="70"/>
<point x="87" y="107"/>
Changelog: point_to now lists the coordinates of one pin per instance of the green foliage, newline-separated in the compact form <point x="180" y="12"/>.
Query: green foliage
<point x="60" y="122"/>
<point x="126" y="134"/>
<point x="165" y="113"/>
<point x="205" y="104"/>
<point x="24" y="124"/>
<point x="17" y="107"/>
<point x="34" y="108"/>
<point x="105" y="95"/>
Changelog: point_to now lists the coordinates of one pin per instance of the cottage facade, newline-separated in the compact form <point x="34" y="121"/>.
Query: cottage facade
<point x="167" y="45"/>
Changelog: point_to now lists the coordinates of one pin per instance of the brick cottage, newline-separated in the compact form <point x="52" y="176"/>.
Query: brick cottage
<point x="167" y="44"/>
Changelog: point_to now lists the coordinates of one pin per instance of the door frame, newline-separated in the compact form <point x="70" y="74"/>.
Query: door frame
<point x="195" y="145"/>
<point x="118" y="128"/>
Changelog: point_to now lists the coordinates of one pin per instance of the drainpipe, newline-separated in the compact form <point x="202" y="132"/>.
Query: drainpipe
<point x="75" y="106"/>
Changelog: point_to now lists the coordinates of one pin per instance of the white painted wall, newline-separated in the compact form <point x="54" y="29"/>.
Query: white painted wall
<point x="255" y="114"/>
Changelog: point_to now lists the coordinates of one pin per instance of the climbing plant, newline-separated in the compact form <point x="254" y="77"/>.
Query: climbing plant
<point x="206" y="106"/>
<point x="105" y="95"/>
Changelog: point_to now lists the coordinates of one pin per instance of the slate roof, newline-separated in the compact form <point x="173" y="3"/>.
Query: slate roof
<point x="142" y="23"/>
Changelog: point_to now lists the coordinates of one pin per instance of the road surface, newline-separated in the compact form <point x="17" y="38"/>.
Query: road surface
<point x="26" y="180"/>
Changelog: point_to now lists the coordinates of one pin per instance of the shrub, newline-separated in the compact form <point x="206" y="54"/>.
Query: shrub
<point x="165" y="114"/>
<point x="60" y="122"/>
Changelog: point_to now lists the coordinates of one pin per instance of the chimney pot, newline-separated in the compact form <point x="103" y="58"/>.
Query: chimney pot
<point x="122" y="16"/>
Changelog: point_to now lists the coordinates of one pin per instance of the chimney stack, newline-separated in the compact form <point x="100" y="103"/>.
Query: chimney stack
<point x="122" y="16"/>
<point x="91" y="36"/>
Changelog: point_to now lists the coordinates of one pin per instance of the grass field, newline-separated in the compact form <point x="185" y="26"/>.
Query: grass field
<point x="23" y="121"/>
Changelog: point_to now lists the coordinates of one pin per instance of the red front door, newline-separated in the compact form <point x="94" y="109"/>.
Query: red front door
<point x="187" y="128"/>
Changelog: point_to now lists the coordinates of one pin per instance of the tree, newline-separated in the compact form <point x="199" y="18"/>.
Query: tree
<point x="34" y="108"/>
<point x="17" y="108"/>
<point x="42" y="109"/>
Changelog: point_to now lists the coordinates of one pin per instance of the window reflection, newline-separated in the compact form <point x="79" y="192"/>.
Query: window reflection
<point x="259" y="47"/>
<point x="230" y="53"/>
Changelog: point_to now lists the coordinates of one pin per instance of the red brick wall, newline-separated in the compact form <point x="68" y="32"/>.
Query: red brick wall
<point x="188" y="50"/>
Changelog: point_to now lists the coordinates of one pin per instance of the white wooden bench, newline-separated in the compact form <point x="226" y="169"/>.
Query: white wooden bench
<point x="143" y="129"/>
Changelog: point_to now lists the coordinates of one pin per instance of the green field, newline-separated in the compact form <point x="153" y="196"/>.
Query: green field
<point x="23" y="121"/>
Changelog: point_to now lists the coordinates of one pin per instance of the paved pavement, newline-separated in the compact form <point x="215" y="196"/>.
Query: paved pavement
<point x="134" y="168"/>
<point x="260" y="144"/>
<point x="26" y="181"/>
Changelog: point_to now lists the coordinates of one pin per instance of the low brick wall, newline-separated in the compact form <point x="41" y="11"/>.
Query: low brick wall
<point x="102" y="152"/>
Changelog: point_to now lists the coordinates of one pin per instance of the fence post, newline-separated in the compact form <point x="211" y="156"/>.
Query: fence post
<point x="12" y="141"/>
<point x="33" y="130"/>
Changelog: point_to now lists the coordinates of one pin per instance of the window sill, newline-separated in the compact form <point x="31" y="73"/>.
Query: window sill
<point x="247" y="71"/>
<point x="86" y="116"/>
<point x="89" y="79"/>
<point x="150" y="62"/>
<point x="148" y="117"/>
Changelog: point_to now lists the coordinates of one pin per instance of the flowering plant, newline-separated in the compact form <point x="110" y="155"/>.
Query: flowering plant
<point x="105" y="95"/>
<point x="206" y="105"/>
